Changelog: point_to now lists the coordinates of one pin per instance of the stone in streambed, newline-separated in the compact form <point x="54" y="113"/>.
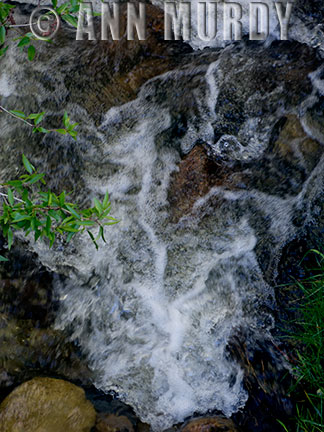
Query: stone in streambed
<point x="113" y="423"/>
<point x="47" y="405"/>
<point x="210" y="424"/>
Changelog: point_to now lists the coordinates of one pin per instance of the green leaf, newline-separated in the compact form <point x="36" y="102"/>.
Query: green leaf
<point x="14" y="183"/>
<point x="3" y="51"/>
<point x="39" y="118"/>
<point x="25" y="194"/>
<point x="114" y="222"/>
<point x="106" y="200"/>
<point x="41" y="129"/>
<point x="35" y="178"/>
<point x="66" y="120"/>
<point x="18" y="113"/>
<point x="72" y="133"/>
<point x="61" y="131"/>
<point x="52" y="239"/>
<point x="28" y="166"/>
<point x="71" y="210"/>
<point x="70" y="19"/>
<point x="85" y="223"/>
<point x="10" y="238"/>
<point x="18" y="217"/>
<point x="2" y="35"/>
<point x="101" y="232"/>
<point x="69" y="236"/>
<point x="50" y="198"/>
<point x="54" y="215"/>
<point x="3" y="259"/>
<point x="105" y="213"/>
<point x="37" y="234"/>
<point x="24" y="41"/>
<point x="97" y="205"/>
<point x="10" y="197"/>
<point x="93" y="239"/>
<point x="54" y="3"/>
<point x="62" y="8"/>
<point x="69" y="229"/>
<point x="31" y="53"/>
<point x="62" y="199"/>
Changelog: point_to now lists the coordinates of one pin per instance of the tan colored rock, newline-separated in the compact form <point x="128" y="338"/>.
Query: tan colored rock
<point x="113" y="423"/>
<point x="47" y="405"/>
<point x="293" y="142"/>
<point x="210" y="424"/>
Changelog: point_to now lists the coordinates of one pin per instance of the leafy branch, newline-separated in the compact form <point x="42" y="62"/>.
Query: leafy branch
<point x="69" y="128"/>
<point x="27" y="207"/>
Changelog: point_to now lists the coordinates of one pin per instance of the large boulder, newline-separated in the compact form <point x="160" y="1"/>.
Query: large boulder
<point x="47" y="405"/>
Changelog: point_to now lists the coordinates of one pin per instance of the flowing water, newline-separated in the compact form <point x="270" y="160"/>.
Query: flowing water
<point x="154" y="308"/>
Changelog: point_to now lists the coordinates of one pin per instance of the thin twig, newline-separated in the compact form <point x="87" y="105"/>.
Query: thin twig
<point x="15" y="198"/>
<point x="21" y="25"/>
<point x="17" y="117"/>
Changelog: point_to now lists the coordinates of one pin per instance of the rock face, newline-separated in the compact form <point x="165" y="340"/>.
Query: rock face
<point x="207" y="175"/>
<point x="210" y="424"/>
<point x="47" y="405"/>
<point x="29" y="346"/>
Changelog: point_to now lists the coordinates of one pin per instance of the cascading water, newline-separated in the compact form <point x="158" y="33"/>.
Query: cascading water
<point x="155" y="307"/>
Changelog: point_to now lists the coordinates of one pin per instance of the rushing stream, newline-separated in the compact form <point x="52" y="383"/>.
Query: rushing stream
<point x="212" y="168"/>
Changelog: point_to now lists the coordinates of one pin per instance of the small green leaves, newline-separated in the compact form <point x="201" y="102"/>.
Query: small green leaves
<point x="19" y="114"/>
<point x="5" y="11"/>
<point x="31" y="52"/>
<point x="3" y="51"/>
<point x="37" y="118"/>
<point x="69" y="128"/>
<point x="10" y="197"/>
<point x="28" y="208"/>
<point x="3" y="259"/>
<point x="28" y="166"/>
<point x="105" y="202"/>
<point x="2" y="34"/>
<point x="24" y="41"/>
<point x="70" y="19"/>
<point x="97" y="206"/>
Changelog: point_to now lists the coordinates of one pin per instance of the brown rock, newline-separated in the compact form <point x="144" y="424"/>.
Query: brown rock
<point x="196" y="176"/>
<point x="111" y="72"/>
<point x="47" y="405"/>
<point x="210" y="424"/>
<point x="113" y="423"/>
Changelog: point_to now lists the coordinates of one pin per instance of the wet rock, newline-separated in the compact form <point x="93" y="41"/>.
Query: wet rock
<point x="26" y="351"/>
<point x="142" y="427"/>
<point x="113" y="71"/>
<point x="29" y="346"/>
<point x="197" y="174"/>
<point x="47" y="404"/>
<point x="294" y="145"/>
<point x="113" y="423"/>
<point x="210" y="424"/>
<point x="267" y="382"/>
